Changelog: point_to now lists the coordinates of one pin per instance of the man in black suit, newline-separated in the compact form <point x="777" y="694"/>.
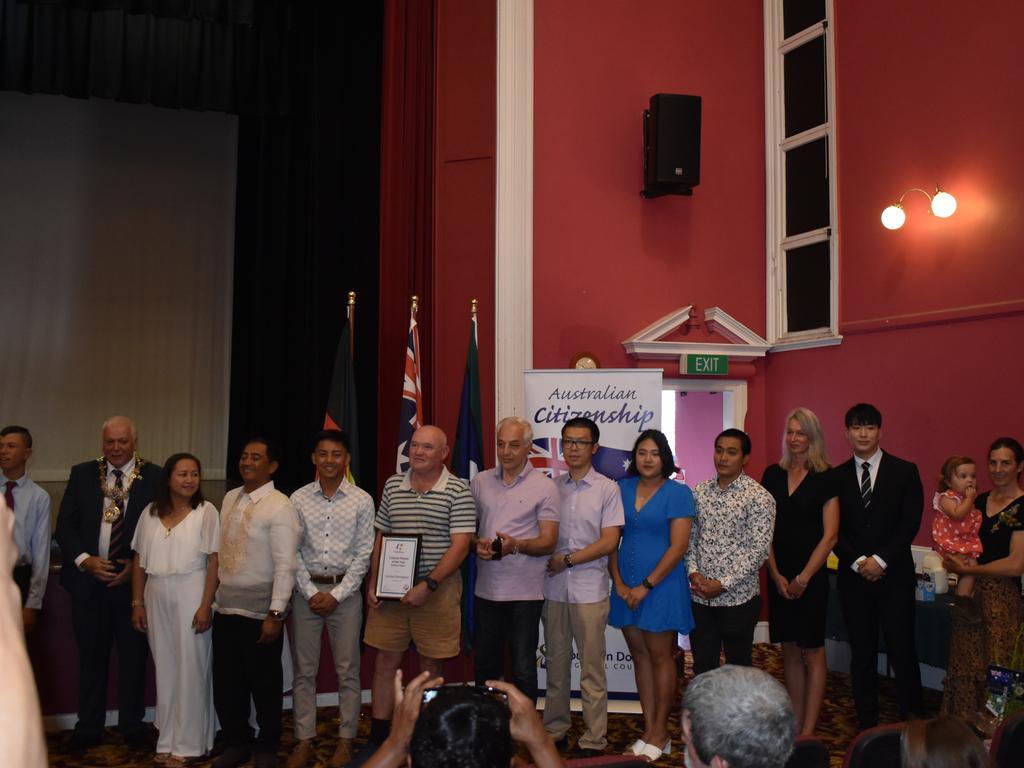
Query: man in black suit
<point x="95" y="526"/>
<point x="880" y="503"/>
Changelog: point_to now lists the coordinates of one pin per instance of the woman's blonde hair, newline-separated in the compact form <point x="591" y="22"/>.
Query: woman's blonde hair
<point x="817" y="455"/>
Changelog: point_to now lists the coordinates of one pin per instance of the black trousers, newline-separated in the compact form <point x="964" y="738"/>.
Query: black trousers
<point x="244" y="669"/>
<point x="511" y="623"/>
<point x="728" y="626"/>
<point x="887" y="604"/>
<point x="101" y="619"/>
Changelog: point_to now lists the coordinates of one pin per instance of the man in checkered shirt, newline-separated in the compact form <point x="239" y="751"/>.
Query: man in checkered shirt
<point x="334" y="555"/>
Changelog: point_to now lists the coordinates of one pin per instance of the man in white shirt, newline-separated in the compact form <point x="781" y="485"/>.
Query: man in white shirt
<point x="256" y="567"/>
<point x="30" y="505"/>
<point x="334" y="555"/>
<point x="98" y="514"/>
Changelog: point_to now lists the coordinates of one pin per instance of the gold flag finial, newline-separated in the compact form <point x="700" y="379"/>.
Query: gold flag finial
<point x="351" y="298"/>
<point x="472" y="307"/>
<point x="415" y="304"/>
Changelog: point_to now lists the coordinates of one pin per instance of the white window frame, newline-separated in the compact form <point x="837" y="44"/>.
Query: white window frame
<point x="776" y="145"/>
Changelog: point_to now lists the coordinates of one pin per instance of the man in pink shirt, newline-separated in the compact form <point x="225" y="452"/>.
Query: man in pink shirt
<point x="577" y="589"/>
<point x="517" y="528"/>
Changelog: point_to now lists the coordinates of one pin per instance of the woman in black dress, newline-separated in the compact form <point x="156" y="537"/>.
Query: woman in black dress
<point x="997" y="590"/>
<point x="806" y="527"/>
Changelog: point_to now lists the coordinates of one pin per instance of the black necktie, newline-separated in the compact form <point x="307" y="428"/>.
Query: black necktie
<point x="9" y="494"/>
<point x="117" y="527"/>
<point x="865" y="484"/>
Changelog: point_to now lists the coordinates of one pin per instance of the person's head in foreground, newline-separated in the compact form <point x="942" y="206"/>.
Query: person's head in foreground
<point x="737" y="717"/>
<point x="462" y="727"/>
<point x="944" y="742"/>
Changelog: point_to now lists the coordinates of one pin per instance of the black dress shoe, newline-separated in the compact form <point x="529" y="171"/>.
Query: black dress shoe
<point x="81" y="741"/>
<point x="585" y="752"/>
<point x="232" y="757"/>
<point x="562" y="745"/>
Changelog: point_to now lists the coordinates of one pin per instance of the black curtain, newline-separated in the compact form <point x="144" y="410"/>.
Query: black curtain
<point x="306" y="234"/>
<point x="304" y="76"/>
<point x="236" y="57"/>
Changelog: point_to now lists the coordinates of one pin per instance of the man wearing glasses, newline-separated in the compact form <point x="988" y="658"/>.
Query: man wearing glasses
<point x="517" y="530"/>
<point x="577" y="588"/>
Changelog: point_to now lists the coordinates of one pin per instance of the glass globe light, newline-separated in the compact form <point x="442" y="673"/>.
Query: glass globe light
<point x="943" y="205"/>
<point x="893" y="216"/>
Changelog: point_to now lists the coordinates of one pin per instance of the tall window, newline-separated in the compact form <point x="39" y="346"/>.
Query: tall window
<point x="800" y="156"/>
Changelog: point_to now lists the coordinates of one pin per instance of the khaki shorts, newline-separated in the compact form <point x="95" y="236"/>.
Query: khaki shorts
<point x="434" y="627"/>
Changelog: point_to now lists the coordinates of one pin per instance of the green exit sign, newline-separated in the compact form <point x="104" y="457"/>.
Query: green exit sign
<point x="707" y="365"/>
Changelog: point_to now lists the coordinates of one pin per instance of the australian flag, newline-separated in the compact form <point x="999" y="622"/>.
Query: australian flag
<point x="547" y="455"/>
<point x="412" y="396"/>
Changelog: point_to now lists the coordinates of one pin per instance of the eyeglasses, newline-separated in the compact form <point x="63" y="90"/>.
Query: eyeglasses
<point x="577" y="443"/>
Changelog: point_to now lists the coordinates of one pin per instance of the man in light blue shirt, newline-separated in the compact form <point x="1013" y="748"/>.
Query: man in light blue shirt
<point x="31" y="506"/>
<point x="577" y="587"/>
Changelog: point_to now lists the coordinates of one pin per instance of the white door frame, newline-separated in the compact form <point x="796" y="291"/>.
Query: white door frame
<point x="734" y="396"/>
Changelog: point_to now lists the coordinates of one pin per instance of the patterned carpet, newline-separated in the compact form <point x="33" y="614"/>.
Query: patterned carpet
<point x="836" y="728"/>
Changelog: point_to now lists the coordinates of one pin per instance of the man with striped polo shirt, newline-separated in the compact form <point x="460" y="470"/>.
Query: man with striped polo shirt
<point x="430" y="502"/>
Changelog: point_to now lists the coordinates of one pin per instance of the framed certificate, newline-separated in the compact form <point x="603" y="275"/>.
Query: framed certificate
<point x="399" y="560"/>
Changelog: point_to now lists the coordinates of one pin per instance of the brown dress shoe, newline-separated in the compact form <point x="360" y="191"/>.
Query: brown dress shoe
<point x="301" y="756"/>
<point x="342" y="755"/>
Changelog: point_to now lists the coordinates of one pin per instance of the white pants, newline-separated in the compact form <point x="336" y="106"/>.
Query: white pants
<point x="184" y="690"/>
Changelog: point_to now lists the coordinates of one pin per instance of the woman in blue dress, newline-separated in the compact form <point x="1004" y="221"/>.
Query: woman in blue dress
<point x="651" y="599"/>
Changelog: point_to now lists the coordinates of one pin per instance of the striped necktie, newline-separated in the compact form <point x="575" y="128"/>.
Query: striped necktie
<point x="117" y="527"/>
<point x="865" y="484"/>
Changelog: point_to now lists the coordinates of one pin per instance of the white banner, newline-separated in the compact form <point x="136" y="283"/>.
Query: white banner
<point x="623" y="403"/>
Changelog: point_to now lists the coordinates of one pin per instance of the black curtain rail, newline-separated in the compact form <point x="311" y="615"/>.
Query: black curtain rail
<point x="220" y="11"/>
<point x="245" y="57"/>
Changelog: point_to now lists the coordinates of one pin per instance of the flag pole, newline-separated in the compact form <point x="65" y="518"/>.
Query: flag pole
<point x="350" y="315"/>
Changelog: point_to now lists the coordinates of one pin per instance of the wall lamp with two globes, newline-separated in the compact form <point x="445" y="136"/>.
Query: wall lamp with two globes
<point x="943" y="206"/>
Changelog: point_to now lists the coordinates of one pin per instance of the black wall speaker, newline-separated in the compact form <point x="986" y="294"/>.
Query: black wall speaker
<point x="671" y="145"/>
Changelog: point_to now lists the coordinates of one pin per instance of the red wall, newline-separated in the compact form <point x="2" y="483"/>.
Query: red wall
<point x="932" y="315"/>
<point x="927" y="97"/>
<point x="464" y="184"/>
<point x="606" y="262"/>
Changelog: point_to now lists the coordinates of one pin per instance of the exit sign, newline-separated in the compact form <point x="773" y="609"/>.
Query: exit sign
<point x="707" y="365"/>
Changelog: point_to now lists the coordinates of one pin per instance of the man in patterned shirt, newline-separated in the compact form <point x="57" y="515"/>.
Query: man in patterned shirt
<point x="334" y="555"/>
<point x="430" y="502"/>
<point x="728" y="545"/>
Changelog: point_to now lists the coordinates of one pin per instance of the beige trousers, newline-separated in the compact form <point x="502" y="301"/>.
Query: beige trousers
<point x="583" y="623"/>
<point x="343" y="632"/>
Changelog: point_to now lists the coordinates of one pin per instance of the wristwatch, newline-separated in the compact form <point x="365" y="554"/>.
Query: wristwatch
<point x="275" y="615"/>
<point x="431" y="584"/>
<point x="568" y="560"/>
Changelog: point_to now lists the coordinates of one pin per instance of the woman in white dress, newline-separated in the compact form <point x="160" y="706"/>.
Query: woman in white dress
<point x="173" y="585"/>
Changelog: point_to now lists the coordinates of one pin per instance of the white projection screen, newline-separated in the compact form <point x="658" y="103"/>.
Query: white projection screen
<point x="116" y="250"/>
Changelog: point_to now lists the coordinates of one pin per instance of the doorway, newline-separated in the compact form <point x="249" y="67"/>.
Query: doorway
<point x="693" y="412"/>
